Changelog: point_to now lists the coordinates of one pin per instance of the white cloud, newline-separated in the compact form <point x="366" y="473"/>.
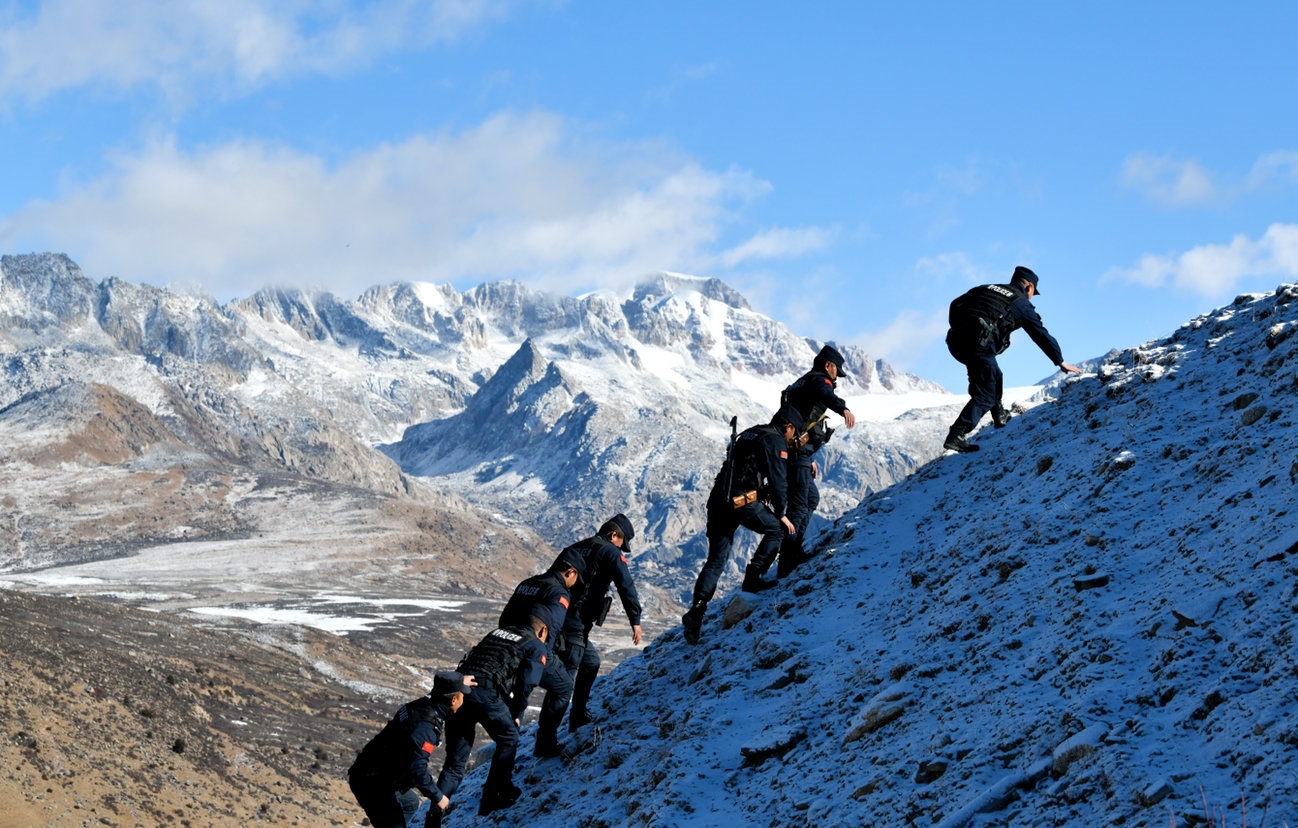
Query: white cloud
<point x="1213" y="270"/>
<point x="1279" y="167"/>
<point x="182" y="44"/>
<point x="944" y="266"/>
<point x="516" y="197"/>
<point x="1183" y="183"/>
<point x="779" y="243"/>
<point x="909" y="335"/>
<point x="1168" y="181"/>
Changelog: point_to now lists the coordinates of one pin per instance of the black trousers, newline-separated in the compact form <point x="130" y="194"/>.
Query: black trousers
<point x="388" y="808"/>
<point x="986" y="386"/>
<point x="723" y="521"/>
<point x="557" y="683"/>
<point x="483" y="706"/>
<point x="583" y="663"/>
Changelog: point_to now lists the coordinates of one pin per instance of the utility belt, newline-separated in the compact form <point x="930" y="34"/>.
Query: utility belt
<point x="741" y="500"/>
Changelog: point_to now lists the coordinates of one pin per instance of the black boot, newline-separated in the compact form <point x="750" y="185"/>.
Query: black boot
<point x="791" y="557"/>
<point x="693" y="621"/>
<point x="578" y="718"/>
<point x="1000" y="416"/>
<point x="547" y="745"/>
<point x="956" y="441"/>
<point x="753" y="580"/>
<point x="493" y="801"/>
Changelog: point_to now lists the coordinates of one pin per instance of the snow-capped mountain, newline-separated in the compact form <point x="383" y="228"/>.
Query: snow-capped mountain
<point x="537" y="410"/>
<point x="1089" y="622"/>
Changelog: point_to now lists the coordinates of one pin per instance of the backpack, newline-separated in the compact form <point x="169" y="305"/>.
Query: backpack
<point x="980" y="318"/>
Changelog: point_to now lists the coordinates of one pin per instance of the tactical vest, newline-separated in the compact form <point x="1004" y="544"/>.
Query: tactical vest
<point x="980" y="317"/>
<point x="497" y="658"/>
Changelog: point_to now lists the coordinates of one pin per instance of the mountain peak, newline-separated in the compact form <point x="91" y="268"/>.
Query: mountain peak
<point x="42" y="289"/>
<point x="666" y="284"/>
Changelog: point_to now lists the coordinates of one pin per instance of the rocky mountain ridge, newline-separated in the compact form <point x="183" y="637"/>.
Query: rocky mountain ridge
<point x="554" y="411"/>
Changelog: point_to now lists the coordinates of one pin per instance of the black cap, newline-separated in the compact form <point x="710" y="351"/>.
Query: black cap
<point x="1026" y="275"/>
<point x="551" y="617"/>
<point x="448" y="684"/>
<point x="830" y="354"/>
<point x="622" y="524"/>
<point x="789" y="414"/>
<point x="567" y="559"/>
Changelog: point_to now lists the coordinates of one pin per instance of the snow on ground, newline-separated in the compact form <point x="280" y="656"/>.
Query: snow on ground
<point x="308" y="611"/>
<point x="1088" y="622"/>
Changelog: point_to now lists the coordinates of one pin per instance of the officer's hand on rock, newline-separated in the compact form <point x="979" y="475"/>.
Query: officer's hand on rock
<point x="849" y="418"/>
<point x="635" y="633"/>
<point x="1069" y="369"/>
<point x="444" y="804"/>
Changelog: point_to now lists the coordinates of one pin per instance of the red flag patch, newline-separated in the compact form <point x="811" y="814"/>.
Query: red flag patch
<point x="427" y="748"/>
<point x="563" y="600"/>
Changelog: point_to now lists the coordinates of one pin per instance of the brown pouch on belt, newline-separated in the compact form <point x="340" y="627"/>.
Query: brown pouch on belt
<point x="744" y="499"/>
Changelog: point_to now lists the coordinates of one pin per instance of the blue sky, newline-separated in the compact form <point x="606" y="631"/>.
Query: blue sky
<point x="849" y="166"/>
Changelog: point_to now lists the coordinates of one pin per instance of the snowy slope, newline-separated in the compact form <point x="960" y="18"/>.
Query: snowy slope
<point x="1089" y="622"/>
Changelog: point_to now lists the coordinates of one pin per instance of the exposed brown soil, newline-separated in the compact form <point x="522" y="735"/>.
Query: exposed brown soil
<point x="111" y="716"/>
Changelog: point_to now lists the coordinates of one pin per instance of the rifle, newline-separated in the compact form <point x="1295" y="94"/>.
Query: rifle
<point x="730" y="455"/>
<point x="803" y="437"/>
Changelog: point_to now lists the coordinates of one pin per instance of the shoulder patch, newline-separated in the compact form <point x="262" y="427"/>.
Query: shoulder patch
<point x="623" y="557"/>
<point x="427" y="747"/>
<point x="827" y="381"/>
<point x="563" y="601"/>
<point x="542" y="659"/>
<point x="784" y="455"/>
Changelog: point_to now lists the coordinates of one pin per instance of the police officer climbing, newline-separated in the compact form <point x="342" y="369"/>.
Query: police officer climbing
<point x="812" y="395"/>
<point x="604" y="560"/>
<point x="508" y="664"/>
<point x="391" y="771"/>
<point x="548" y="597"/>
<point x="751" y="490"/>
<point x="982" y="320"/>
